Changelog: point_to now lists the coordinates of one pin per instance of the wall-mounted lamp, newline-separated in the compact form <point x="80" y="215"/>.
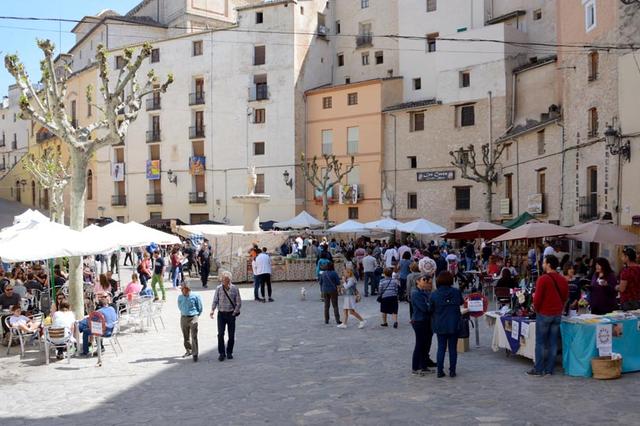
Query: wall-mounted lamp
<point x="613" y="140"/>
<point x="287" y="180"/>
<point x="173" y="178"/>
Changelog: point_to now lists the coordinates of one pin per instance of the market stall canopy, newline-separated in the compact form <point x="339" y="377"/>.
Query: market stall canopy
<point x="133" y="234"/>
<point x="49" y="240"/>
<point x="518" y="221"/>
<point x="188" y="230"/>
<point x="159" y="223"/>
<point x="421" y="226"/>
<point x="302" y="221"/>
<point x="475" y="230"/>
<point x="533" y="230"/>
<point x="150" y="235"/>
<point x="349" y="227"/>
<point x="604" y="233"/>
<point x="30" y="216"/>
<point x="385" y="224"/>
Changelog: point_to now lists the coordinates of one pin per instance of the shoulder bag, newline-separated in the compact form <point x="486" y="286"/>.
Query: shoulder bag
<point x="231" y="301"/>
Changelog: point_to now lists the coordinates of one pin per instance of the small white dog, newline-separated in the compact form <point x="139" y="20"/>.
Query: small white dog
<point x="303" y="294"/>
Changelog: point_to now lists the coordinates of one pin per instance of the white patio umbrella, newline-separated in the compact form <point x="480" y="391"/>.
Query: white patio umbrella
<point x="604" y="233"/>
<point x="421" y="226"/>
<point x="149" y="235"/>
<point x="30" y="216"/>
<point x="302" y="221"/>
<point x="132" y="234"/>
<point x="349" y="227"/>
<point x="384" y="224"/>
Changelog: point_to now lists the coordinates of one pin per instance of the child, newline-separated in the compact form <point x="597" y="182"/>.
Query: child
<point x="133" y="288"/>
<point x="20" y="322"/>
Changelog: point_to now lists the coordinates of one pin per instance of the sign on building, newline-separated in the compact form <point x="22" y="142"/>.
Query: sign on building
<point x="535" y="204"/>
<point x="505" y="206"/>
<point x="153" y="169"/>
<point x="436" y="175"/>
<point x="348" y="194"/>
<point x="197" y="165"/>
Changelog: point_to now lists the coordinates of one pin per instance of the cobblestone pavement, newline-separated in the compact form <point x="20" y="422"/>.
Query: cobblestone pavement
<point x="291" y="368"/>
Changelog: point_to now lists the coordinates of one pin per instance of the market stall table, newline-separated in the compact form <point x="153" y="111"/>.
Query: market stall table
<point x="502" y="338"/>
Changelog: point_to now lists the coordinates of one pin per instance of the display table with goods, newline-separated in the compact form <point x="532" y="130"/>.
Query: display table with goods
<point x="282" y="268"/>
<point x="513" y="329"/>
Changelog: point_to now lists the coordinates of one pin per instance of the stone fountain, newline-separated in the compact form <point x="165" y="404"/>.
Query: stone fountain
<point x="251" y="202"/>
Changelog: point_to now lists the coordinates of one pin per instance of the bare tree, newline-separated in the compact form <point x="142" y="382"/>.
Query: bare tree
<point x="466" y="161"/>
<point x="120" y="102"/>
<point x="324" y="177"/>
<point x="53" y="175"/>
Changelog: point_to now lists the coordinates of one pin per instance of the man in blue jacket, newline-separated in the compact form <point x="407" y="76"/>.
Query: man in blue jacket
<point x="445" y="308"/>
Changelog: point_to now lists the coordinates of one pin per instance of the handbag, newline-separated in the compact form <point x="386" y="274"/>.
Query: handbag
<point x="463" y="327"/>
<point x="231" y="301"/>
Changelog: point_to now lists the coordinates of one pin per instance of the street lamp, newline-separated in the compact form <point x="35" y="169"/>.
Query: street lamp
<point x="173" y="178"/>
<point x="613" y="141"/>
<point x="287" y="180"/>
<point x="461" y="157"/>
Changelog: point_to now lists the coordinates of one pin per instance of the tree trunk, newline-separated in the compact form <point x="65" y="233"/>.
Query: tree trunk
<point x="325" y="208"/>
<point x="78" y="186"/>
<point x="488" y="202"/>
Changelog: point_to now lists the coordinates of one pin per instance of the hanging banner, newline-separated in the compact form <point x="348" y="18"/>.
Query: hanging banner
<point x="153" y="169"/>
<point x="197" y="165"/>
<point x="317" y="195"/>
<point x="117" y="172"/>
<point x="348" y="194"/>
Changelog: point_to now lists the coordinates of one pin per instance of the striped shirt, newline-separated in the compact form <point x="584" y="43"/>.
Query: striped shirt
<point x="221" y="301"/>
<point x="388" y="287"/>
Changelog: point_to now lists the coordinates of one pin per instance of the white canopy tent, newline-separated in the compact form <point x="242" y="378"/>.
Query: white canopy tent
<point x="132" y="234"/>
<point x="303" y="221"/>
<point x="422" y="227"/>
<point x="349" y="227"/>
<point x="385" y="224"/>
<point x="30" y="216"/>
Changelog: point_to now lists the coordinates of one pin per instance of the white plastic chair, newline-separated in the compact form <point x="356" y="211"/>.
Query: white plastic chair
<point x="21" y="335"/>
<point x="155" y="313"/>
<point x="113" y="339"/>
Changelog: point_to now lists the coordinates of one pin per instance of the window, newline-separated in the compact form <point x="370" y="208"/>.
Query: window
<point x="413" y="162"/>
<point x="541" y="142"/>
<point x="197" y="48"/>
<point x="463" y="197"/>
<point x="537" y="14"/>
<point x="465" y="115"/>
<point x="417" y="83"/>
<point x="589" y="14"/>
<point x="347" y="80"/>
<point x="432" y="5"/>
<point x="417" y="121"/>
<point x="353" y="213"/>
<point x="340" y="59"/>
<point x="593" y="122"/>
<point x="89" y="109"/>
<point x="155" y="56"/>
<point x="365" y="58"/>
<point x="508" y="186"/>
<point x="258" y="148"/>
<point x="301" y="10"/>
<point x="119" y="62"/>
<point x="155" y="215"/>
<point x="379" y="57"/>
<point x="89" y="185"/>
<point x="259" y="184"/>
<point x="74" y="117"/>
<point x="353" y="177"/>
<point x="364" y="4"/>
<point x="412" y="201"/>
<point x="337" y="27"/>
<point x="258" y="55"/>
<point x="465" y="79"/>
<point x="542" y="181"/>
<point x="327" y="142"/>
<point x="593" y="66"/>
<point x="197" y="218"/>
<point x="352" y="99"/>
<point x="259" y="115"/>
<point x="431" y="42"/>
<point x="327" y="102"/>
<point x="353" y="138"/>
<point x="259" y="17"/>
<point x="507" y="151"/>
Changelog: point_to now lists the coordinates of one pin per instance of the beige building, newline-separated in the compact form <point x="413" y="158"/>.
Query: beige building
<point x="347" y="121"/>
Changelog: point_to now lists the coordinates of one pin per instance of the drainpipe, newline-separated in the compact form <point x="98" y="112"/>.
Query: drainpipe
<point x="490" y="128"/>
<point x="395" y="164"/>
<point x="564" y="155"/>
<point x="513" y="99"/>
<point x="518" y="173"/>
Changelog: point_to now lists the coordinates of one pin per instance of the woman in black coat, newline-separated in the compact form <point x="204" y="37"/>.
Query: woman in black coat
<point x="445" y="308"/>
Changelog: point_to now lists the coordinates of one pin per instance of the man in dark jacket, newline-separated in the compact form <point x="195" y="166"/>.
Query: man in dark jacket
<point x="445" y="308"/>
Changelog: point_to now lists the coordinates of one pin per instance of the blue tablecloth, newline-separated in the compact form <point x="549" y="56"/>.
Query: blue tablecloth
<point x="579" y="346"/>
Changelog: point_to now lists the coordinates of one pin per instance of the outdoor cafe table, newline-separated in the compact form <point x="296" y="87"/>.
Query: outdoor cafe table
<point x="579" y="346"/>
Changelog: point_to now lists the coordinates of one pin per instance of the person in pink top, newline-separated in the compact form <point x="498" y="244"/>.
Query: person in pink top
<point x="133" y="288"/>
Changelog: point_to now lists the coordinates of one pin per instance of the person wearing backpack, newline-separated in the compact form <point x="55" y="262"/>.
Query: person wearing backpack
<point x="446" y="320"/>
<point x="549" y="299"/>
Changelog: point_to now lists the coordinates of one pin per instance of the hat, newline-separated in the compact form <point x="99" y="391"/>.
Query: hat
<point x="9" y="286"/>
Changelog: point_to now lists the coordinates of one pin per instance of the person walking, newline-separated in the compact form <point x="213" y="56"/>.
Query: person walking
<point x="446" y="318"/>
<point x="421" y="322"/>
<point x="253" y="253"/>
<point x="349" y="300"/>
<point x="226" y="300"/>
<point x="204" y="259"/>
<point x="629" y="286"/>
<point x="176" y="266"/>
<point x="144" y="270"/>
<point x="388" y="298"/>
<point x="263" y="265"/>
<point x="329" y="282"/>
<point x="552" y="292"/>
<point x="190" y="306"/>
<point x="403" y="270"/>
<point x="369" y="265"/>
<point x="128" y="254"/>
<point x="158" y="276"/>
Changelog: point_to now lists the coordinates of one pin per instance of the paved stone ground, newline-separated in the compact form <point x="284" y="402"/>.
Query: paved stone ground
<point x="291" y="368"/>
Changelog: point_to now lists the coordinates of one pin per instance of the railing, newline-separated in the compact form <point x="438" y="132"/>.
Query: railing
<point x="259" y="92"/>
<point x="153" y="104"/>
<point x="197" y="198"/>
<point x="588" y="208"/>
<point x="118" y="200"/>
<point x="154" y="198"/>
<point x="593" y="133"/>
<point x="43" y="136"/>
<point x="153" y="135"/>
<point x="363" y="40"/>
<point x="196" y="132"/>
<point x="196" y="98"/>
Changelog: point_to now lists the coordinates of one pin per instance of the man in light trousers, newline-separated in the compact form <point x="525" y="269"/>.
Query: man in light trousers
<point x="190" y="306"/>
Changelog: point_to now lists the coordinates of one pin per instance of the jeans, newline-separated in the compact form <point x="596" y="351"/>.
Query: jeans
<point x="331" y="298"/>
<point x="369" y="280"/>
<point x="204" y="273"/>
<point x="189" y="327"/>
<point x="128" y="255"/>
<point x="423" y="345"/>
<point x="175" y="275"/>
<point x="157" y="279"/>
<point x="469" y="261"/>
<point x="402" y="291"/>
<point x="143" y="280"/>
<point x="85" y="329"/>
<point x="256" y="287"/>
<point x="450" y="341"/>
<point x="547" y="332"/>
<point x="226" y="319"/>
<point x="265" y="279"/>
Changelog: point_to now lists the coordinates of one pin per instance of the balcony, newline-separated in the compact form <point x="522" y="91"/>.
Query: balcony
<point x="44" y="135"/>
<point x="259" y="92"/>
<point x="196" y="98"/>
<point x="322" y="31"/>
<point x="588" y="208"/>
<point x="118" y="200"/>
<point x="153" y="104"/>
<point x="153" y="135"/>
<point x="14" y="144"/>
<point x="364" y="40"/>
<point x="196" y="132"/>
<point x="197" y="198"/>
<point x="154" y="198"/>
<point x="505" y="206"/>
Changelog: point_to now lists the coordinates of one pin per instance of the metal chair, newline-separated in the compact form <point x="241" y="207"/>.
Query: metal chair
<point x="502" y="296"/>
<point x="156" y="313"/>
<point x="21" y="335"/>
<point x="112" y="339"/>
<point x="55" y="338"/>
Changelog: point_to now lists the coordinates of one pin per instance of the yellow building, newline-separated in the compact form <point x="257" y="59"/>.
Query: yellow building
<point x="346" y="120"/>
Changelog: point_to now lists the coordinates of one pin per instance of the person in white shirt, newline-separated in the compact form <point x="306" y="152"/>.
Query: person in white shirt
<point x="403" y="248"/>
<point x="390" y="255"/>
<point x="548" y="249"/>
<point x="63" y="318"/>
<point x="369" y="265"/>
<point x="263" y="270"/>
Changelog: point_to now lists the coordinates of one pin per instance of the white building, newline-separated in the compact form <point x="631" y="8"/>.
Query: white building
<point x="14" y="132"/>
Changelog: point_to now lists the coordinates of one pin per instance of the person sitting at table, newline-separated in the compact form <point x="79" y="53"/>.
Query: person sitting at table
<point x="110" y="317"/>
<point x="509" y="265"/>
<point x="133" y="288"/>
<point x="20" y="322"/>
<point x="9" y="298"/>
<point x="506" y="279"/>
<point x="3" y="280"/>
<point x="102" y="286"/>
<point x="603" y="288"/>
<point x="493" y="268"/>
<point x="60" y="297"/>
<point x="63" y="318"/>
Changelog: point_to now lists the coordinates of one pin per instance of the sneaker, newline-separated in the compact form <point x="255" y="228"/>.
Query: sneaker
<point x="415" y="372"/>
<point x="452" y="374"/>
<point x="270" y="300"/>
<point x="440" y="374"/>
<point x="259" y="299"/>
<point x="384" y="324"/>
<point x="534" y="373"/>
<point x="186" y="354"/>
<point x="425" y="372"/>
<point x="342" y="325"/>
<point x="362" y="324"/>
<point x="431" y="364"/>
<point x="395" y="325"/>
<point x="229" y="356"/>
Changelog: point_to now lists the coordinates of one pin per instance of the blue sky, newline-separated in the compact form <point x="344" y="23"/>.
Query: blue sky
<point x="19" y="36"/>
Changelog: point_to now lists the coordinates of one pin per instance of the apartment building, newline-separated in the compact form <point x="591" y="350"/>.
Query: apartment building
<point x="14" y="132"/>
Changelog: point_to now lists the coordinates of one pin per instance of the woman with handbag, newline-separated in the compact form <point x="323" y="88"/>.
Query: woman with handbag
<point x="350" y="299"/>
<point x="446" y="320"/>
<point x="421" y="322"/>
<point x="388" y="297"/>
